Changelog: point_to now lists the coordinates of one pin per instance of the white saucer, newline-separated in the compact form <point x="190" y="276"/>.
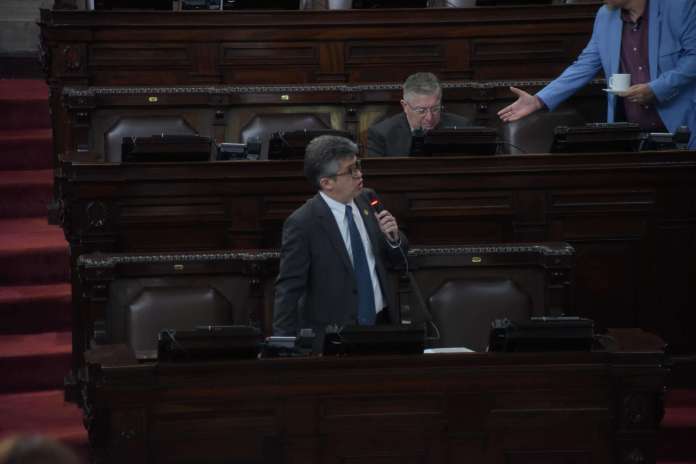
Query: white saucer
<point x="614" y="92"/>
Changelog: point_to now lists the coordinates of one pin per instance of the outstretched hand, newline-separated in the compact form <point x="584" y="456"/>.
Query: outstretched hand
<point x="525" y="105"/>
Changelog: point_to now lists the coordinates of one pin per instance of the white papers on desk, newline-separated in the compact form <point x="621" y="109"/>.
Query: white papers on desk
<point x="459" y="349"/>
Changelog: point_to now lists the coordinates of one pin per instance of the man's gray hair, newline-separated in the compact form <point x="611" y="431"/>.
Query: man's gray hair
<point x="422" y="83"/>
<point x="323" y="157"/>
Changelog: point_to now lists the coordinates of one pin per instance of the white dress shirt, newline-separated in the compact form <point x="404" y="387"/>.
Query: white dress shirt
<point x="339" y="212"/>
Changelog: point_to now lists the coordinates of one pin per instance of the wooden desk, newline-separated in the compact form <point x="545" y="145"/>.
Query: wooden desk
<point x="631" y="217"/>
<point x="154" y="51"/>
<point x="577" y="408"/>
<point x="109" y="283"/>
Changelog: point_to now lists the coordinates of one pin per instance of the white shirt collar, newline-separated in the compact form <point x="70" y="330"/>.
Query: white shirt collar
<point x="336" y="206"/>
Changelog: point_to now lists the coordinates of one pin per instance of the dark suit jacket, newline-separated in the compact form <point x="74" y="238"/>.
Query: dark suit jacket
<point x="392" y="136"/>
<point x="316" y="283"/>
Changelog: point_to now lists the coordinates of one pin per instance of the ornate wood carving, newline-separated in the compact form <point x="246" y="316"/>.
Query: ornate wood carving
<point x="72" y="57"/>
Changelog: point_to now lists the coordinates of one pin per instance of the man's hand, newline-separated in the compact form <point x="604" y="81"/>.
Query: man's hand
<point x="525" y="105"/>
<point x="639" y="93"/>
<point x="388" y="225"/>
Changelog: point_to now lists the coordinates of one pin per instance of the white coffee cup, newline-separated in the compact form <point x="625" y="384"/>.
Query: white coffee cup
<point x="620" y="82"/>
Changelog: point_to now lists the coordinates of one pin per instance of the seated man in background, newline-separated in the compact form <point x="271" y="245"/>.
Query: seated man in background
<point x="653" y="41"/>
<point x="422" y="105"/>
<point x="335" y="247"/>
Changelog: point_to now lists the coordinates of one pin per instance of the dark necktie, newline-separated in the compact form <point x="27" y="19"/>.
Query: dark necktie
<point x="366" y="295"/>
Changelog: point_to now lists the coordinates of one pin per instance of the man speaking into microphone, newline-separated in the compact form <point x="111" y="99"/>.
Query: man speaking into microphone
<point x="335" y="248"/>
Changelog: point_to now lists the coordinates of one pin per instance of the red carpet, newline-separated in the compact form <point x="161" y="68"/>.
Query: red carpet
<point x="35" y="322"/>
<point x="23" y="412"/>
<point x="35" y="295"/>
<point x="32" y="252"/>
<point x="24" y="104"/>
<point x="26" y="149"/>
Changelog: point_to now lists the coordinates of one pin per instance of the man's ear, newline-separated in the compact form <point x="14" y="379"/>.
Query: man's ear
<point x="403" y="104"/>
<point x="325" y="183"/>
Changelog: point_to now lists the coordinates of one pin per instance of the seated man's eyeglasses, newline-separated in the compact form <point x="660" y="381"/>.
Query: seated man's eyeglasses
<point x="354" y="170"/>
<point x="421" y="111"/>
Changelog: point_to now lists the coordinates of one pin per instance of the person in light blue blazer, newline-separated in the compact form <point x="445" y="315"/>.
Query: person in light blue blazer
<point x="671" y="55"/>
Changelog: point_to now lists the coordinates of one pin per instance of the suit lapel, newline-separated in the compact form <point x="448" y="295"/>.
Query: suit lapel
<point x="326" y="220"/>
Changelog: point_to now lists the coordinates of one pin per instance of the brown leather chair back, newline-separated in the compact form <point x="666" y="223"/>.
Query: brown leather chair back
<point x="141" y="127"/>
<point x="182" y="308"/>
<point x="463" y="310"/>
<point x="139" y="308"/>
<point x="262" y="126"/>
<point x="534" y="134"/>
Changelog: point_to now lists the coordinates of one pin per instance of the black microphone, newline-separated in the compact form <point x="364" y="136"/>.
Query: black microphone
<point x="377" y="206"/>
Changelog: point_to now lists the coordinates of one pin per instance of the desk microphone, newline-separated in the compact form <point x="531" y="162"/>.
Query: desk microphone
<point x="377" y="206"/>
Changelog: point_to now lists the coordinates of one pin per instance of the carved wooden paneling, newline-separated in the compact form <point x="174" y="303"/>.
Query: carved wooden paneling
<point x="309" y="46"/>
<point x="550" y="408"/>
<point x="549" y="457"/>
<point x="600" y="201"/>
<point x="134" y="55"/>
<point x="269" y="53"/>
<point x="209" y="426"/>
<point x="677" y="289"/>
<point x="609" y="281"/>
<point x="69" y="60"/>
<point x="362" y="53"/>
<point x="543" y="56"/>
<point x="455" y="204"/>
<point x="518" y="49"/>
<point x="487" y="216"/>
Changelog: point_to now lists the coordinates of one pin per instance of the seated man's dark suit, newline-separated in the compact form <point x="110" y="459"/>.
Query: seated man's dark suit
<point x="392" y="136"/>
<point x="316" y="283"/>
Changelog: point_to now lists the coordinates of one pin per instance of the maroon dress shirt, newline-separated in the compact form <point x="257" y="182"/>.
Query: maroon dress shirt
<point x="635" y="61"/>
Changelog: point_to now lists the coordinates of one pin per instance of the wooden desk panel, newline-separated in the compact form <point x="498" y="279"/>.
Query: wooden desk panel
<point x="290" y="47"/>
<point x="486" y="408"/>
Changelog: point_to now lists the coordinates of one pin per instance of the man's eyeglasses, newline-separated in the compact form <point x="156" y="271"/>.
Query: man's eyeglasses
<point x="353" y="170"/>
<point x="421" y="111"/>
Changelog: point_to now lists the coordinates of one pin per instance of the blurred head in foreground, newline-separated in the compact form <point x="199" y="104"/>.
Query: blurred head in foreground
<point x="35" y="449"/>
